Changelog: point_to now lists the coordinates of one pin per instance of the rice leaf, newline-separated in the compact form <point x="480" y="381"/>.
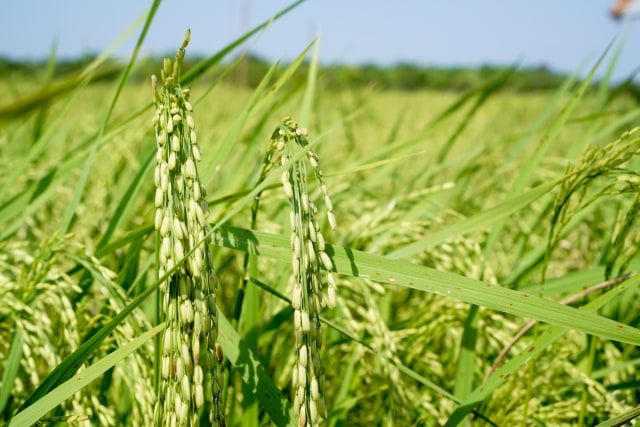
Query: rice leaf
<point x="399" y="273"/>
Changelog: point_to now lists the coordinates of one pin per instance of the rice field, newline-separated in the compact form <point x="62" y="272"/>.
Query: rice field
<point x="381" y="258"/>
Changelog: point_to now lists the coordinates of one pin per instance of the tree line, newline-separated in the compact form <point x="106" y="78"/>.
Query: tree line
<point x="250" y="70"/>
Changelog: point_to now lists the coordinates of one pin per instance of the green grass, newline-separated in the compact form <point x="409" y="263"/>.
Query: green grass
<point x="459" y="222"/>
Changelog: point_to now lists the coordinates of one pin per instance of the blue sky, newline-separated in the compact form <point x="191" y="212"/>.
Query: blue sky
<point x="563" y="35"/>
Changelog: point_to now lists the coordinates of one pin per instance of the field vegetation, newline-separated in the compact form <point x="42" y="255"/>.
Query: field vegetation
<point x="481" y="270"/>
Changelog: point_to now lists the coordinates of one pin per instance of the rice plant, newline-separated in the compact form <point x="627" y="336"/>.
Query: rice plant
<point x="484" y="271"/>
<point x="189" y="360"/>
<point x="308" y="257"/>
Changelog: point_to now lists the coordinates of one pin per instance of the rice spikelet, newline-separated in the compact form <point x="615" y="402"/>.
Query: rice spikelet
<point x="309" y="258"/>
<point x="190" y="382"/>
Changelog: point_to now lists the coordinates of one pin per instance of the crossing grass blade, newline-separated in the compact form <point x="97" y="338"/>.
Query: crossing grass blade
<point x="622" y="419"/>
<point x="500" y="376"/>
<point x="206" y="64"/>
<point x="59" y="394"/>
<point x="67" y="216"/>
<point x="254" y="375"/>
<point x="398" y="273"/>
<point x="265" y="91"/>
<point x="11" y="367"/>
<point x="70" y="365"/>
<point x="128" y="198"/>
<point x="483" y="219"/>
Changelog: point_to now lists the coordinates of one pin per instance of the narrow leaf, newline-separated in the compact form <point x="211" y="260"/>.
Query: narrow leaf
<point x="399" y="273"/>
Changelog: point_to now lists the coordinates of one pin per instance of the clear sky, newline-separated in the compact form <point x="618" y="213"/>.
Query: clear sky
<point x="562" y="34"/>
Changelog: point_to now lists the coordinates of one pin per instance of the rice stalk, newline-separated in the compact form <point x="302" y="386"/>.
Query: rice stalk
<point x="308" y="259"/>
<point x="600" y="172"/>
<point x="190" y="362"/>
<point x="607" y="165"/>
